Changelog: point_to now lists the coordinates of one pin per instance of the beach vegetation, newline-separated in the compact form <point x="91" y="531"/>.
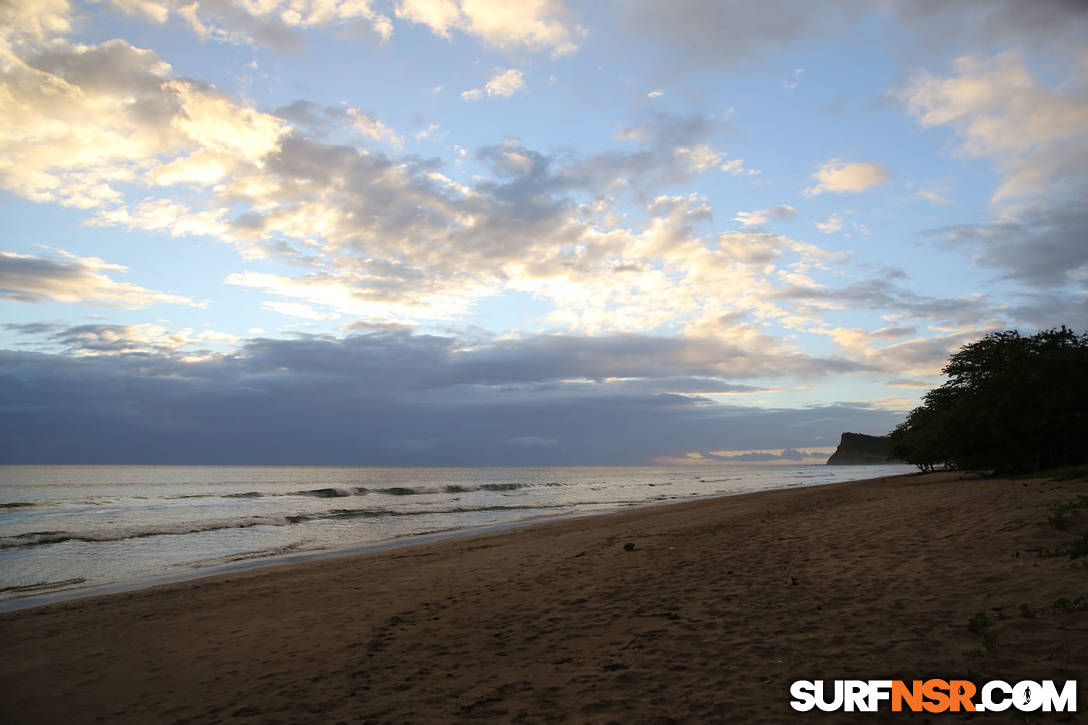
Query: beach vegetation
<point x="1060" y="518"/>
<point x="1012" y="403"/>
<point x="1079" y="604"/>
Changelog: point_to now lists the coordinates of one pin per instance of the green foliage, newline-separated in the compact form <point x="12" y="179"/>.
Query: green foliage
<point x="1068" y="606"/>
<point x="1011" y="403"/>
<point x="978" y="623"/>
<point x="1058" y="519"/>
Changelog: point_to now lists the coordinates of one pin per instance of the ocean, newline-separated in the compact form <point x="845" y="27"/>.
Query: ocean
<point x="77" y="530"/>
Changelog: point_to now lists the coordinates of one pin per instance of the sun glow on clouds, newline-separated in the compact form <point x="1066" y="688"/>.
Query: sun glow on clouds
<point x="847" y="177"/>
<point x="69" y="278"/>
<point x="615" y="242"/>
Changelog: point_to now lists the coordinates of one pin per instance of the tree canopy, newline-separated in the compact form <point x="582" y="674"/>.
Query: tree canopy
<point x="1011" y="403"/>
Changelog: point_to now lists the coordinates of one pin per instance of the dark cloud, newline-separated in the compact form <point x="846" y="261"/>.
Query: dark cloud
<point x="33" y="328"/>
<point x="388" y="397"/>
<point x="886" y="295"/>
<point x="894" y="333"/>
<point x="33" y="279"/>
<point x="1045" y="247"/>
<point x="26" y="278"/>
<point x="790" y="454"/>
<point x="709" y="33"/>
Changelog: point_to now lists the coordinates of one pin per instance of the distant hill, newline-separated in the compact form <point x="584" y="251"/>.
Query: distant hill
<point x="860" y="449"/>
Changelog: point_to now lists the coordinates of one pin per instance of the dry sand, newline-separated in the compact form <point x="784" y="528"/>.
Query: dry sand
<point x="719" y="606"/>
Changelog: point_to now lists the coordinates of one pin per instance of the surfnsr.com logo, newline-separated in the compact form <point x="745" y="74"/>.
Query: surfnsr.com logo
<point x="933" y="696"/>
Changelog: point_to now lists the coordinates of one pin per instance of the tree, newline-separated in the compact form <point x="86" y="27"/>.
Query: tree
<point x="1011" y="403"/>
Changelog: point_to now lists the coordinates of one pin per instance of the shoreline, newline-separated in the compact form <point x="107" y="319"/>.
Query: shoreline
<point x="716" y="607"/>
<point x="29" y="601"/>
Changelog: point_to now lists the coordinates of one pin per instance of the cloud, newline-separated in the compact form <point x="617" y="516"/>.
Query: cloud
<point x="146" y="125"/>
<point x="847" y="177"/>
<point x="297" y="309"/>
<point x="429" y="132"/>
<point x="782" y="212"/>
<point x="787" y="455"/>
<point x="1038" y="136"/>
<point x="35" y="22"/>
<point x="736" y="168"/>
<point x="655" y="93"/>
<point x="707" y="34"/>
<point x="1043" y="246"/>
<point x="920" y="356"/>
<point x="373" y="128"/>
<point x="937" y="195"/>
<point x="276" y="24"/>
<point x="698" y="158"/>
<point x="534" y="25"/>
<point x="811" y="302"/>
<point x="505" y="82"/>
<point x="830" y="225"/>
<point x="389" y="237"/>
<point x="356" y="400"/>
<point x="69" y="278"/>
<point x="794" y="80"/>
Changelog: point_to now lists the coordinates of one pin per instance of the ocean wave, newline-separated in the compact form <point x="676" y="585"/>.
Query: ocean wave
<point x="42" y="538"/>
<point x="17" y="505"/>
<point x="354" y="491"/>
<point x="323" y="493"/>
<point x="39" y="587"/>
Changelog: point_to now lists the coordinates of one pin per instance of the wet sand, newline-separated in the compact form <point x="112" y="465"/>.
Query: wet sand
<point x="718" y="606"/>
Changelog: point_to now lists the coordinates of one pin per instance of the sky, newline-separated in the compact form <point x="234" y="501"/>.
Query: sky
<point x="547" y="232"/>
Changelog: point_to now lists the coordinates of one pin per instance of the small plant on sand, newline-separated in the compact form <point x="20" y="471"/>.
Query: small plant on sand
<point x="980" y="624"/>
<point x="1059" y="519"/>
<point x="1067" y="606"/>
<point x="1026" y="611"/>
<point x="1071" y="473"/>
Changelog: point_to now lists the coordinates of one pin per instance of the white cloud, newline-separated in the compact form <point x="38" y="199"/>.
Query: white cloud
<point x="736" y="168"/>
<point x="916" y="357"/>
<point x="655" y="93"/>
<point x="1037" y="135"/>
<point x="380" y="237"/>
<point x="34" y="22"/>
<point x="373" y="128"/>
<point x="830" y="225"/>
<point x="265" y="22"/>
<point x="846" y="177"/>
<point x="782" y="212"/>
<point x="145" y="126"/>
<point x="429" y="132"/>
<point x="699" y="158"/>
<point x="530" y="24"/>
<point x="505" y="82"/>
<point x="297" y="309"/>
<point x="937" y="195"/>
<point x="794" y="80"/>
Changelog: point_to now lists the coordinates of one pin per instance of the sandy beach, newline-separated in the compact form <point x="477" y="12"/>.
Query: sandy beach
<point x="716" y="608"/>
